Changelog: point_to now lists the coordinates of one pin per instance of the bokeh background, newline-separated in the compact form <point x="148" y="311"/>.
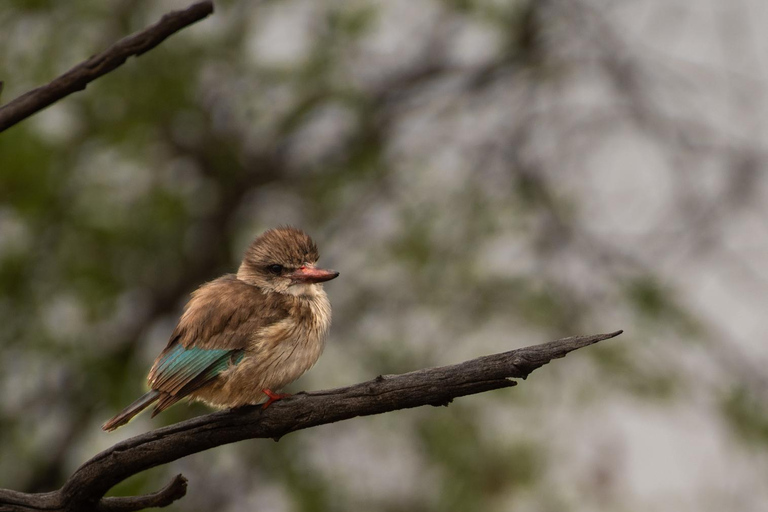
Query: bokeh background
<point x="486" y="174"/>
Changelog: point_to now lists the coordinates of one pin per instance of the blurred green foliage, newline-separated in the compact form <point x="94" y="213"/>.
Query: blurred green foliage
<point x="747" y="415"/>
<point x="476" y="470"/>
<point x="412" y="160"/>
<point x="656" y="304"/>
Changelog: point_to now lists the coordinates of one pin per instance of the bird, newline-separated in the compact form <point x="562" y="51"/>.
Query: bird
<point x="243" y="337"/>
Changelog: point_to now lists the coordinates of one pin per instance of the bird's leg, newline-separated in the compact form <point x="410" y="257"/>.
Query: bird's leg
<point x="273" y="397"/>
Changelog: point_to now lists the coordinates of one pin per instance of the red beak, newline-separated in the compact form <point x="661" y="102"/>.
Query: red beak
<point x="313" y="275"/>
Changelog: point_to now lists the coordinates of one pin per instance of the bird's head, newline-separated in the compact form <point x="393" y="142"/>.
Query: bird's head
<point x="283" y="260"/>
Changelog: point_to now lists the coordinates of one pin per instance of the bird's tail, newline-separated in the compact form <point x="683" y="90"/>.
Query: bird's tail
<point x="132" y="410"/>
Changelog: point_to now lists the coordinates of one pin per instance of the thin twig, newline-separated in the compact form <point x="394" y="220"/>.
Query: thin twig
<point x="77" y="78"/>
<point x="85" y="489"/>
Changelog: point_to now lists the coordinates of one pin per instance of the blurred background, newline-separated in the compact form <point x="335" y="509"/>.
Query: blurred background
<point x="486" y="174"/>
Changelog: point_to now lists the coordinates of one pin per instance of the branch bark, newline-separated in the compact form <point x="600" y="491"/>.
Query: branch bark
<point x="85" y="489"/>
<point x="175" y="490"/>
<point x="77" y="78"/>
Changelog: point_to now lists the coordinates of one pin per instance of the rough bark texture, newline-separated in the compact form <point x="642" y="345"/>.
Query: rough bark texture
<point x="77" y="78"/>
<point x="85" y="489"/>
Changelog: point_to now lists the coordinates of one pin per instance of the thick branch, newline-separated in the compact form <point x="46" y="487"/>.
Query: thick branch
<point x="434" y="386"/>
<point x="77" y="78"/>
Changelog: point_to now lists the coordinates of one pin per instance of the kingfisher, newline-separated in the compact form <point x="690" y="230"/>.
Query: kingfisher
<point x="245" y="336"/>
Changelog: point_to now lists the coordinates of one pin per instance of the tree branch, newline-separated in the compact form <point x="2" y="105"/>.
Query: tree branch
<point x="85" y="489"/>
<point x="77" y="78"/>
<point x="162" y="498"/>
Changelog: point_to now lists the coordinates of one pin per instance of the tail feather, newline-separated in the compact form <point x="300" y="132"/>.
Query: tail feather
<point x="132" y="410"/>
<point x="165" y="402"/>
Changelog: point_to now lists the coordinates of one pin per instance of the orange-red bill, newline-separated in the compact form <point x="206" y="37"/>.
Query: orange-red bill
<point x="313" y="275"/>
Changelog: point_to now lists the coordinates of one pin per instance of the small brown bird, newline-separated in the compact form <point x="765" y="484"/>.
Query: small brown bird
<point x="244" y="336"/>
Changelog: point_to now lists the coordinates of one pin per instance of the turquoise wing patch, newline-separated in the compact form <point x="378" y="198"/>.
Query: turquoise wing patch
<point x="180" y="367"/>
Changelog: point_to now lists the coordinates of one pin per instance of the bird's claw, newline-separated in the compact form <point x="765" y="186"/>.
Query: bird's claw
<point x="273" y="397"/>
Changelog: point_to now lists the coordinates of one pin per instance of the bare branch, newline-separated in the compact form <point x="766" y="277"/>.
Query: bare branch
<point x="162" y="498"/>
<point x="77" y="78"/>
<point x="85" y="489"/>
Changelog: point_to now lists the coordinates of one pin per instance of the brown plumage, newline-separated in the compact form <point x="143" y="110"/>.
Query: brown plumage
<point x="245" y="334"/>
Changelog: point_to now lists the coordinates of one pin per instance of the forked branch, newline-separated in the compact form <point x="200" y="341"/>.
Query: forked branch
<point x="85" y="489"/>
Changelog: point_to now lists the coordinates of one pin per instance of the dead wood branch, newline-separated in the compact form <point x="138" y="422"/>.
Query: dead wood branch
<point x="85" y="489"/>
<point x="77" y="78"/>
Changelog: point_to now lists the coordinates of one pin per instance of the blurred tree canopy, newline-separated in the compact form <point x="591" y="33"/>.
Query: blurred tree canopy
<point x="485" y="174"/>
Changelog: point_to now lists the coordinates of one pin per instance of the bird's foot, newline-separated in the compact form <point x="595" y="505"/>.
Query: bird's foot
<point x="273" y="397"/>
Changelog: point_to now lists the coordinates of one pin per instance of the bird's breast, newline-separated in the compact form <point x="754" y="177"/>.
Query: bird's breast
<point x="282" y="352"/>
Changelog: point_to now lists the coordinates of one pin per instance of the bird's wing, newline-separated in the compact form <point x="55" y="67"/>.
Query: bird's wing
<point x="179" y="371"/>
<point x="212" y="334"/>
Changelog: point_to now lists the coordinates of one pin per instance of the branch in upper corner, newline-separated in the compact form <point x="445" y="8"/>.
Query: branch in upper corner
<point x="432" y="386"/>
<point x="77" y="78"/>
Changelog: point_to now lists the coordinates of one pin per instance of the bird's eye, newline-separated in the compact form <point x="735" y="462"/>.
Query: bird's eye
<point x="275" y="269"/>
